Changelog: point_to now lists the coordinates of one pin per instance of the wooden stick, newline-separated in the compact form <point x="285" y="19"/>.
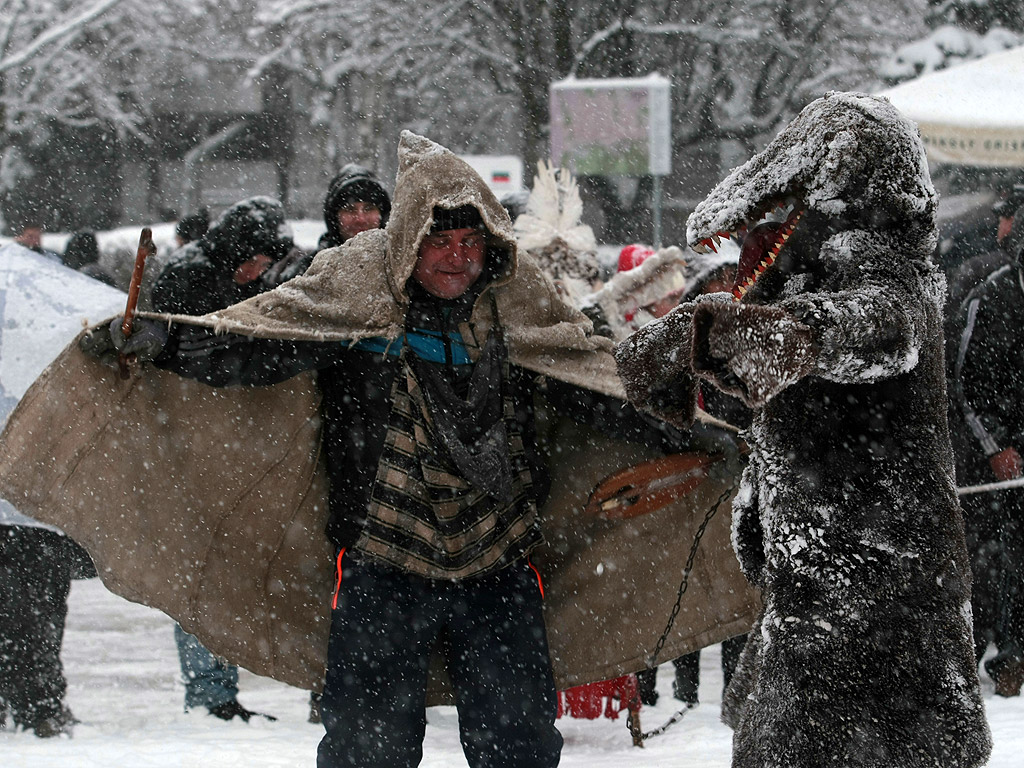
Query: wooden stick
<point x="146" y="248"/>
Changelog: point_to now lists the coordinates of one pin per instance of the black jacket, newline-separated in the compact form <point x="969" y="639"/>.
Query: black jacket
<point x="199" y="278"/>
<point x="986" y="360"/>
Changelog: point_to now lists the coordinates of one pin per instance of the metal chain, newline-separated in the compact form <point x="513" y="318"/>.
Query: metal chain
<point x="653" y="658"/>
<point x="668" y="723"/>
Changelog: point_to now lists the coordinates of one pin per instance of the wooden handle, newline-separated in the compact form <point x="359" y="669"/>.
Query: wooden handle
<point x="146" y="249"/>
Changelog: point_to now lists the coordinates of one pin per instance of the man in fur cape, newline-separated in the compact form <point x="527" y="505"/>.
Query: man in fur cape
<point x="211" y="502"/>
<point x="847" y="516"/>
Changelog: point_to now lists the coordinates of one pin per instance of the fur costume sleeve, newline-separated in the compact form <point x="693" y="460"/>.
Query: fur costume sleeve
<point x="655" y="368"/>
<point x="750" y="351"/>
<point x="871" y="328"/>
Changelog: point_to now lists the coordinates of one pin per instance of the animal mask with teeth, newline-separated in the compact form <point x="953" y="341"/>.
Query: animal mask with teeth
<point x="823" y="165"/>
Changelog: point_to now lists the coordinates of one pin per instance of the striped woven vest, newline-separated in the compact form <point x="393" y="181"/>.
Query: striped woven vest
<point x="424" y="516"/>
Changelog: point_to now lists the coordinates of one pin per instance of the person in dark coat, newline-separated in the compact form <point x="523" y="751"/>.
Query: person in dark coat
<point x="847" y="516"/>
<point x="233" y="261"/>
<point x="355" y="202"/>
<point x="228" y="263"/>
<point x="984" y="361"/>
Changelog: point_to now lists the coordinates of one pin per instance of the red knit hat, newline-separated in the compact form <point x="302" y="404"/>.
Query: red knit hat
<point x="632" y="256"/>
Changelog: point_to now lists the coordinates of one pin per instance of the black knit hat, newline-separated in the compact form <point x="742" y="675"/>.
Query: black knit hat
<point x="194" y="226"/>
<point x="251" y="226"/>
<point x="456" y="218"/>
<point x="353" y="183"/>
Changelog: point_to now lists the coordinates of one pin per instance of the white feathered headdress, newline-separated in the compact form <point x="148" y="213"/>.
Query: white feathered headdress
<point x="550" y="231"/>
<point x="554" y="212"/>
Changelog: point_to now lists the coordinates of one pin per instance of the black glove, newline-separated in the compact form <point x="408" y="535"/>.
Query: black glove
<point x="148" y="339"/>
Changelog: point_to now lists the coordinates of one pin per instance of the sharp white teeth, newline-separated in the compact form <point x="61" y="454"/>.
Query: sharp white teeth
<point x="717" y="239"/>
<point x="700" y="248"/>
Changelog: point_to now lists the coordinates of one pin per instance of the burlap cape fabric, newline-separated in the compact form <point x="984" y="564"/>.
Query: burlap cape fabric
<point x="210" y="504"/>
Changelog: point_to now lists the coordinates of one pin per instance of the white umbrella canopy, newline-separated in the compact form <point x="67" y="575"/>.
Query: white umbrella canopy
<point x="971" y="114"/>
<point x="43" y="306"/>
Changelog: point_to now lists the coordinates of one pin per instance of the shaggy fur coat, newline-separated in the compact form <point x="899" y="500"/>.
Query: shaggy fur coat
<point x="847" y="516"/>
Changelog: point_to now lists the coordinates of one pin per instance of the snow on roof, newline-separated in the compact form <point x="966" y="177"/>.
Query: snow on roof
<point x="971" y="114"/>
<point x="983" y="92"/>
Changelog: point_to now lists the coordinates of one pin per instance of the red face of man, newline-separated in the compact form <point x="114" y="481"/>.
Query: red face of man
<point x="1004" y="228"/>
<point x="30" y="237"/>
<point x="450" y="261"/>
<point x="251" y="269"/>
<point x="357" y="217"/>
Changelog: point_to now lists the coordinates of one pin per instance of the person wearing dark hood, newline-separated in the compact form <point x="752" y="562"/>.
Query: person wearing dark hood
<point x="233" y="261"/>
<point x="82" y="253"/>
<point x="983" y="356"/>
<point x="356" y="201"/>
<point x="228" y="263"/>
<point x="434" y="475"/>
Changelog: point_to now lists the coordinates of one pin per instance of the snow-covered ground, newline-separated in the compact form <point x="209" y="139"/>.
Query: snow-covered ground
<point x="122" y="671"/>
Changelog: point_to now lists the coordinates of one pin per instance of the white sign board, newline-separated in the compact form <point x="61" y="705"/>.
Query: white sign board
<point x="612" y="126"/>
<point x="502" y="173"/>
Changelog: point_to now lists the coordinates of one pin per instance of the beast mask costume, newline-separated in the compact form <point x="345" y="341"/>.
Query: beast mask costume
<point x="847" y="517"/>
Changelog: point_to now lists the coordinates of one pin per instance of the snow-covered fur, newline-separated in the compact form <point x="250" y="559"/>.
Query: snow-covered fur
<point x="847" y="517"/>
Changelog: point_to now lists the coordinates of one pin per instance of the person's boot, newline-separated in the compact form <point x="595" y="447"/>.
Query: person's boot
<point x="232" y="709"/>
<point x="1010" y="678"/>
<point x="59" y="724"/>
<point x="646" y="680"/>
<point x="684" y="689"/>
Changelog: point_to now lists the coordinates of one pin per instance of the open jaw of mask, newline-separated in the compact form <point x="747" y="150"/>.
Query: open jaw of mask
<point x="762" y="241"/>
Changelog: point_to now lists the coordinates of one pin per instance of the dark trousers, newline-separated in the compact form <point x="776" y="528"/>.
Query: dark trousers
<point x="994" y="524"/>
<point x="1009" y="634"/>
<point x="687" y="682"/>
<point x="35" y="578"/>
<point x="492" y="635"/>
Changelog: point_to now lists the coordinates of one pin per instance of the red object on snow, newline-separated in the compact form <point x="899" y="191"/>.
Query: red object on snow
<point x="608" y="697"/>
<point x="632" y="256"/>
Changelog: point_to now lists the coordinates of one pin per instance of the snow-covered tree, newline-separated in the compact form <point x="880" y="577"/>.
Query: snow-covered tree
<point x="65" y="64"/>
<point x="960" y="30"/>
<point x="471" y="71"/>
